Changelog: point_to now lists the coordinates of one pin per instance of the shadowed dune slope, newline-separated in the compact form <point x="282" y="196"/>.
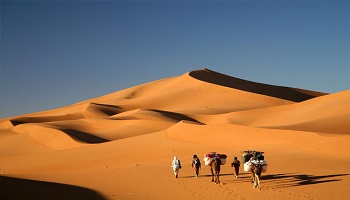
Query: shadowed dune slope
<point x="287" y="93"/>
<point x="17" y="188"/>
<point x="101" y="110"/>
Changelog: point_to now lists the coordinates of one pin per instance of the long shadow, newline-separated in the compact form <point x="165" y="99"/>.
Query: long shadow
<point x="176" y="116"/>
<point x="107" y="109"/>
<point x="84" y="137"/>
<point x="284" y="180"/>
<point x="19" y="189"/>
<point x="293" y="180"/>
<point x="42" y="119"/>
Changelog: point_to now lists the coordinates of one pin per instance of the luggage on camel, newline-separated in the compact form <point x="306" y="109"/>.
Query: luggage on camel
<point x="252" y="157"/>
<point x="259" y="156"/>
<point x="249" y="154"/>
<point x="246" y="157"/>
<point x="208" y="158"/>
<point x="248" y="165"/>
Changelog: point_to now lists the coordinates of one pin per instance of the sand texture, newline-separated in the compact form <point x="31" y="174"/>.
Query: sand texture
<point x="120" y="146"/>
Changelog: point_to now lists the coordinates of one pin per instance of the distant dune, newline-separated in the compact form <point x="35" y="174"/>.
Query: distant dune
<point x="121" y="144"/>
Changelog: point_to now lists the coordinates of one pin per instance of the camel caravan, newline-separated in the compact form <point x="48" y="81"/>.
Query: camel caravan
<point x="254" y="164"/>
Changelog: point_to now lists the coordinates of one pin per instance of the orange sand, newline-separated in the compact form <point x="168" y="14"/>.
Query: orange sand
<point x="120" y="146"/>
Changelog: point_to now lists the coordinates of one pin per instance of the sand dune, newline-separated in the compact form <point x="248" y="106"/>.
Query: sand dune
<point x="121" y="144"/>
<point x="326" y="114"/>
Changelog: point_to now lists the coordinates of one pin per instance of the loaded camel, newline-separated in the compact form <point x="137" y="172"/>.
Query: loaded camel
<point x="215" y="170"/>
<point x="254" y="166"/>
<point x="255" y="175"/>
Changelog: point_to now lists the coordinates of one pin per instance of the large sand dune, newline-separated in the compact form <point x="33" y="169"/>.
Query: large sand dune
<point x="120" y="146"/>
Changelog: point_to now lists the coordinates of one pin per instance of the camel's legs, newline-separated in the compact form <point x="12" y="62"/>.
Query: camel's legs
<point x="257" y="182"/>
<point x="217" y="181"/>
<point x="252" y="177"/>
<point x="212" y="175"/>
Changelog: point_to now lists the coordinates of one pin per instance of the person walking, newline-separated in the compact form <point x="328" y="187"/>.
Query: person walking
<point x="196" y="164"/>
<point x="176" y="165"/>
<point x="235" y="164"/>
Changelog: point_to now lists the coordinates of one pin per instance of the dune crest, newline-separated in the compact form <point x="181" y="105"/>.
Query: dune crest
<point x="287" y="93"/>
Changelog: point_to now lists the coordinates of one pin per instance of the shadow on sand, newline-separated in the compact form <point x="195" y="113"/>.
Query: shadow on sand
<point x="205" y="175"/>
<point x="84" y="137"/>
<point x="18" y="189"/>
<point x="292" y="180"/>
<point x="284" y="180"/>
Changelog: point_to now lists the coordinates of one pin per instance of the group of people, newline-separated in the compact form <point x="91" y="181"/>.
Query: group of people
<point x="196" y="165"/>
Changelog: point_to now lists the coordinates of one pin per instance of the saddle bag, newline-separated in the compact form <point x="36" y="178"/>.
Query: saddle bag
<point x="210" y="156"/>
<point x="248" y="165"/>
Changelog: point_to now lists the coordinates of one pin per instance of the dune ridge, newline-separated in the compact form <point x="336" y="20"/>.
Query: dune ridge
<point x="287" y="93"/>
<point x="197" y="112"/>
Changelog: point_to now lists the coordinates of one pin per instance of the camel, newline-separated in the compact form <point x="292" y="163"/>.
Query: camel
<point x="255" y="175"/>
<point x="215" y="170"/>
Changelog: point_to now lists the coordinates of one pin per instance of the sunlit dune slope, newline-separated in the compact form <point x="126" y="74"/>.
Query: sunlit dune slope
<point x="203" y="90"/>
<point x="246" y="137"/>
<point x="326" y="114"/>
<point x="193" y="94"/>
<point x="201" y="97"/>
<point x="185" y="95"/>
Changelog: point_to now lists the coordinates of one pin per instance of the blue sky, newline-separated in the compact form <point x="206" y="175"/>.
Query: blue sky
<point x="56" y="53"/>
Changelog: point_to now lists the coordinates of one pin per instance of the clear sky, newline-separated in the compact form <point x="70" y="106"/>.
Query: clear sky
<point x="56" y="53"/>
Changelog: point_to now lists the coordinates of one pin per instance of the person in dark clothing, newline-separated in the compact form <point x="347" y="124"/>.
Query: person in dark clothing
<point x="235" y="164"/>
<point x="196" y="164"/>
